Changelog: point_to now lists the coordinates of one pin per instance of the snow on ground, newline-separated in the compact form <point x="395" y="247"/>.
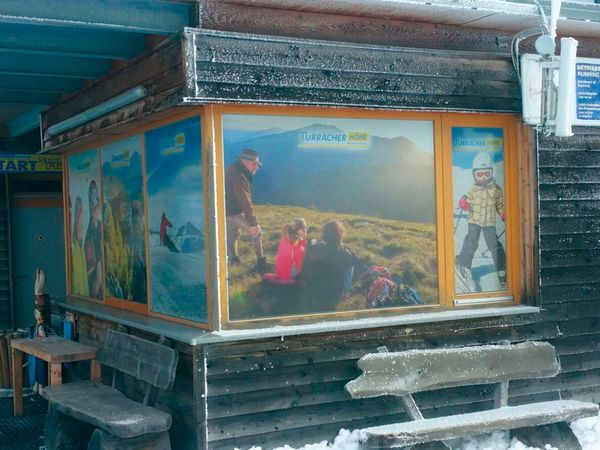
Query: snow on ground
<point x="586" y="430"/>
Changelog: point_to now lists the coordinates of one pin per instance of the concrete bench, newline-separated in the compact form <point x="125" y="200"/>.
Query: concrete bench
<point x="89" y="410"/>
<point x="404" y="373"/>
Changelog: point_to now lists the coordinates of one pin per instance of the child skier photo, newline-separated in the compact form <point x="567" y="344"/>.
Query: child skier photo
<point x="482" y="203"/>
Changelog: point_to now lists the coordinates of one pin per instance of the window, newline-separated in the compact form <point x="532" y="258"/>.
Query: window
<point x="348" y="213"/>
<point x="314" y="214"/>
<point x="136" y="222"/>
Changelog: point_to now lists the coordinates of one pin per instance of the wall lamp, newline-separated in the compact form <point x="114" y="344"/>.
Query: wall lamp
<point x="113" y="104"/>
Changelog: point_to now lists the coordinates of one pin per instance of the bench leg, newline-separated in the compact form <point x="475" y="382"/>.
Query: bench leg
<point x="558" y="435"/>
<point x="101" y="440"/>
<point x="65" y="433"/>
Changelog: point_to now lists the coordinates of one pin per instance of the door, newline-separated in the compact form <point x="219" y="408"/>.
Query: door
<point x="37" y="241"/>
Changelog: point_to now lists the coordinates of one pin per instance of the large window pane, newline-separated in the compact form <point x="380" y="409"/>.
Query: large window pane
<point x="176" y="220"/>
<point x="479" y="228"/>
<point x="85" y="214"/>
<point x="124" y="229"/>
<point x="328" y="214"/>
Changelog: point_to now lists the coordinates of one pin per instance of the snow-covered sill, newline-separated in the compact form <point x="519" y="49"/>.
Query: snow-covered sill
<point x="194" y="336"/>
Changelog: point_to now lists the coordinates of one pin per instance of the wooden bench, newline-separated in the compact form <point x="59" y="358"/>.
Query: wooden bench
<point x="404" y="373"/>
<point x="89" y="410"/>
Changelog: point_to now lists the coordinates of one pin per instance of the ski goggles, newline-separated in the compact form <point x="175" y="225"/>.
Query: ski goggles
<point x="482" y="174"/>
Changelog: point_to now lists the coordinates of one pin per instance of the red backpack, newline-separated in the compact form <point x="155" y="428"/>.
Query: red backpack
<point x="383" y="292"/>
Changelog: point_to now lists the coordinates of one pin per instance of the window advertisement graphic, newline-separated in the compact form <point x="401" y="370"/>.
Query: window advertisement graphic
<point x="328" y="214"/>
<point x="85" y="213"/>
<point x="124" y="229"/>
<point x="176" y="220"/>
<point x="479" y="209"/>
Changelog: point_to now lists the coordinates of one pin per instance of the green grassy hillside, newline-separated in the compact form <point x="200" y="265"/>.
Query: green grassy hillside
<point x="407" y="249"/>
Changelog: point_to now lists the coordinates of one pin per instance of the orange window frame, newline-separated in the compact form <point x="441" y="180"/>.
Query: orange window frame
<point x="129" y="305"/>
<point x="443" y="123"/>
<point x="508" y="124"/>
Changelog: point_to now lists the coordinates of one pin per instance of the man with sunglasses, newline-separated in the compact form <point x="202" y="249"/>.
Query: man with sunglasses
<point x="484" y="200"/>
<point x="239" y="208"/>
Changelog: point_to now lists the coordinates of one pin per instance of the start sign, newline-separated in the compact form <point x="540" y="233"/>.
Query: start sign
<point x="30" y="163"/>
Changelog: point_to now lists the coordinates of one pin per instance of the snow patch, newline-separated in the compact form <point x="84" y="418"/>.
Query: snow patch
<point x="587" y="432"/>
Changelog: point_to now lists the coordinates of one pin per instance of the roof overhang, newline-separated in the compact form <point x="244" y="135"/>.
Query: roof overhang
<point x="578" y="19"/>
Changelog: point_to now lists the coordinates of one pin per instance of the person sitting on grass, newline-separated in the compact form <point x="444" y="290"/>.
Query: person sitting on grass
<point x="327" y="271"/>
<point x="290" y="253"/>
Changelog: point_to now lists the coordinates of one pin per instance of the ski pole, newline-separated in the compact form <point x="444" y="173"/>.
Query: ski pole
<point x="458" y="221"/>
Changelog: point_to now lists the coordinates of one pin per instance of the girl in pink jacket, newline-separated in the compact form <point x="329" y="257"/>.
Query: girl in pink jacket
<point x="290" y="253"/>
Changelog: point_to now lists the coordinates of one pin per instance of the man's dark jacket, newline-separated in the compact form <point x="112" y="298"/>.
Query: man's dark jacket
<point x="238" y="192"/>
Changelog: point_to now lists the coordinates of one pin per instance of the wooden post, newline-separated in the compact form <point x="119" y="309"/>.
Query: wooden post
<point x="17" y="363"/>
<point x="9" y="338"/>
<point x="4" y="371"/>
<point x="55" y="374"/>
<point x="200" y="397"/>
<point x="95" y="370"/>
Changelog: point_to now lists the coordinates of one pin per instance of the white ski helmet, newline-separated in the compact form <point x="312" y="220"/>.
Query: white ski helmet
<point x="482" y="161"/>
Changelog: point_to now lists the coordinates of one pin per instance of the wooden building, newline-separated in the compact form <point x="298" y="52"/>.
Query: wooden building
<point x="360" y="112"/>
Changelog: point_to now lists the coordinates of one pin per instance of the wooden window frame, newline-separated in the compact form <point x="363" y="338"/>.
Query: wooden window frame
<point x="144" y="309"/>
<point x="517" y="189"/>
<point x="521" y="210"/>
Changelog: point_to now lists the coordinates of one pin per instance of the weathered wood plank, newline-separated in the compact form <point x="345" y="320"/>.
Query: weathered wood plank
<point x="588" y="191"/>
<point x="106" y="408"/>
<point x="572" y="310"/>
<point x="571" y="159"/>
<point x="310" y="352"/>
<point x="276" y="77"/>
<point x="569" y="258"/>
<point x="297" y="376"/>
<point x="570" y="275"/>
<point x="118" y="121"/>
<point x="574" y="345"/>
<point x="568" y="293"/>
<point x="138" y="72"/>
<point x="144" y="360"/>
<point x="489" y="421"/>
<point x="55" y="349"/>
<point x="586" y="394"/>
<point x="583" y="138"/>
<point x="588" y="326"/>
<point x="228" y="17"/>
<point x="394" y="373"/>
<point x="580" y="362"/>
<point x="551" y="226"/>
<point x="437" y="332"/>
<point x="576" y="243"/>
<point x="569" y="208"/>
<point x="264" y="51"/>
<point x="569" y="175"/>
<point x="208" y="92"/>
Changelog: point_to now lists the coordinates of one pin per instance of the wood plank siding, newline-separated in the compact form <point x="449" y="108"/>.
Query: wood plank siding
<point x="241" y="68"/>
<point x="291" y="390"/>
<point x="242" y="17"/>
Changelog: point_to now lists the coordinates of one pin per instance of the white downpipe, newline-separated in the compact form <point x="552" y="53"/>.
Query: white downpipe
<point x="566" y="87"/>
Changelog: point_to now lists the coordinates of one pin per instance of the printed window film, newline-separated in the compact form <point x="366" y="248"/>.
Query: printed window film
<point x="328" y="214"/>
<point x="85" y="213"/>
<point x="479" y="215"/>
<point x="124" y="224"/>
<point x="176" y="220"/>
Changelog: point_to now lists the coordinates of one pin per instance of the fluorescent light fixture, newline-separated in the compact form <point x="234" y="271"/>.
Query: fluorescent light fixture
<point x="113" y="104"/>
